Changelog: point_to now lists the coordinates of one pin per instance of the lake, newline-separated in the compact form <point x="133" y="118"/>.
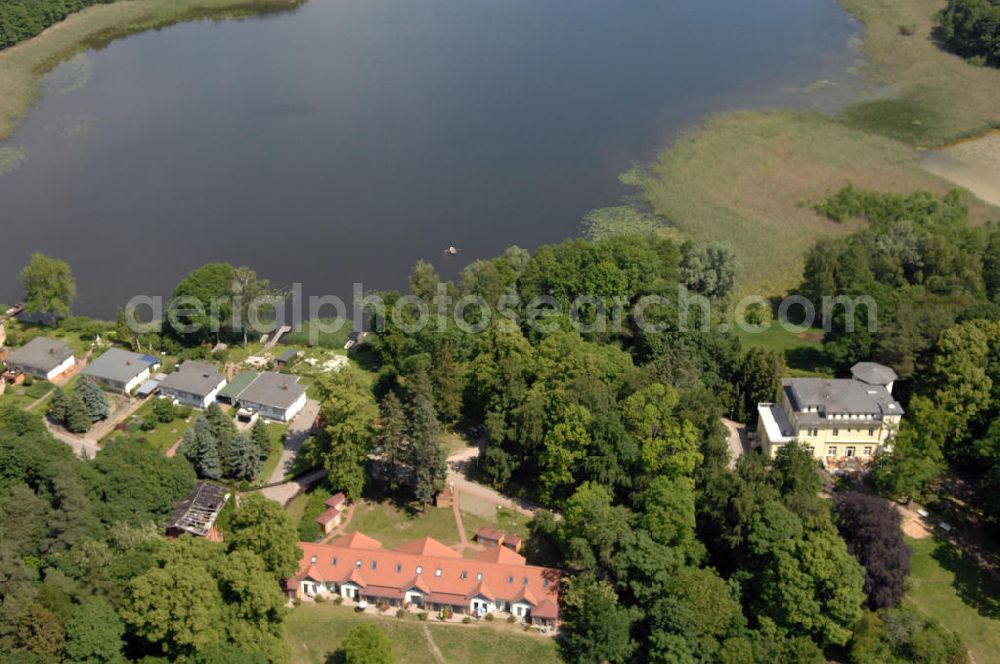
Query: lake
<point x="345" y="140"/>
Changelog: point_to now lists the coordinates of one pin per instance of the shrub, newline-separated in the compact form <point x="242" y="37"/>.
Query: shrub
<point x="466" y="620"/>
<point x="339" y="599"/>
<point x="296" y="602"/>
<point x="422" y="615"/>
<point x="489" y="617"/>
<point x="148" y="424"/>
<point x="511" y="619"/>
<point x="28" y="380"/>
<point x="400" y="613"/>
<point x="319" y="599"/>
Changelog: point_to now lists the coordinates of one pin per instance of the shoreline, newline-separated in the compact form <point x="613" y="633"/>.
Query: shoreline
<point x="23" y="65"/>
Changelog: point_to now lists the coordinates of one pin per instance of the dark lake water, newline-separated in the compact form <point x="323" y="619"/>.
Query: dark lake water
<point x="345" y="140"/>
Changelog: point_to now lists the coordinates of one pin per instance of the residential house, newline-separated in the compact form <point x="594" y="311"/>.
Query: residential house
<point x="121" y="370"/>
<point x="42" y="357"/>
<point x="231" y="392"/>
<point x="274" y="396"/>
<point x="446" y="496"/>
<point x="194" y="384"/>
<point x="197" y="513"/>
<point x="842" y="418"/>
<point x="334" y="514"/>
<point x="428" y="575"/>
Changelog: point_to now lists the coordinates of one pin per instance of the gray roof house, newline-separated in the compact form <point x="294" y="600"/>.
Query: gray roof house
<point x="42" y="357"/>
<point x="120" y="370"/>
<point x="194" y="383"/>
<point x="274" y="396"/>
<point x="834" y="417"/>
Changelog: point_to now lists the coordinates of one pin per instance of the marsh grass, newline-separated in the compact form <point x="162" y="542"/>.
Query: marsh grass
<point x="22" y="66"/>
<point x="749" y="178"/>
<point x="949" y="98"/>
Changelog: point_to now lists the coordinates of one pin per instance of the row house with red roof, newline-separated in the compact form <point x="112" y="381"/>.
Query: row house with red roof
<point x="428" y="575"/>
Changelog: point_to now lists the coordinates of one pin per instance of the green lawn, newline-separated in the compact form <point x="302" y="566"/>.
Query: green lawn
<point x="277" y="432"/>
<point x="803" y="352"/>
<point x="393" y="525"/>
<point x="506" y="520"/>
<point x="314" y="631"/>
<point x="22" y="397"/>
<point x="162" y="437"/>
<point x="951" y="589"/>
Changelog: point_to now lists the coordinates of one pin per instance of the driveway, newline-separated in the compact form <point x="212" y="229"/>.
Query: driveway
<point x="458" y="466"/>
<point x="284" y="492"/>
<point x="83" y="446"/>
<point x="739" y="442"/>
<point x="298" y="433"/>
<point x="88" y="443"/>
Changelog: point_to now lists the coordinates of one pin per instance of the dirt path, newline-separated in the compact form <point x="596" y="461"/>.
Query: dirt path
<point x="459" y="464"/>
<point x="739" y="443"/>
<point x="973" y="164"/>
<point x="433" y="646"/>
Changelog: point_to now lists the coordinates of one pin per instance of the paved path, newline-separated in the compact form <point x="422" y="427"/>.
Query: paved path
<point x="284" y="492"/>
<point x="459" y="464"/>
<point x="84" y="446"/>
<point x="88" y="443"/>
<point x="298" y="433"/>
<point x="739" y="443"/>
<point x="433" y="646"/>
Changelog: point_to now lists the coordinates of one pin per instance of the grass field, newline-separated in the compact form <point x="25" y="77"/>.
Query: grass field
<point x="393" y="525"/>
<point x="23" y="65"/>
<point x="22" y="397"/>
<point x="747" y="179"/>
<point x="163" y="436"/>
<point x="277" y="432"/>
<point x="952" y="590"/>
<point x="938" y="97"/>
<point x="314" y="632"/>
<point x="803" y="352"/>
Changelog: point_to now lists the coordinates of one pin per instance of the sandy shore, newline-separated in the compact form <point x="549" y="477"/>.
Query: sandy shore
<point x="973" y="164"/>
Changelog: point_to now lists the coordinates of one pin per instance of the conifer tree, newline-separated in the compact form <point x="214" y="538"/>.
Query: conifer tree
<point x="58" y="406"/>
<point x="449" y="383"/>
<point x="78" y="419"/>
<point x="392" y="440"/>
<point x="95" y="399"/>
<point x="426" y="456"/>
<point x="244" y="459"/>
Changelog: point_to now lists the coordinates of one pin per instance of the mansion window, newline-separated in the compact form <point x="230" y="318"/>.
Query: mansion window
<point x="850" y="451"/>
<point x="836" y="432"/>
<point x="868" y="450"/>
<point x="831" y="451"/>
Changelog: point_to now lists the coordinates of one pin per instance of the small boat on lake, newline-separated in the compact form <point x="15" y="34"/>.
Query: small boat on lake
<point x="451" y="251"/>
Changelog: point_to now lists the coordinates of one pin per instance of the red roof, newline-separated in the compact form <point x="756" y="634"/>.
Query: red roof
<point x="511" y="539"/>
<point x="491" y="534"/>
<point x="357" y="541"/>
<point x="500" y="554"/>
<point x="327" y="516"/>
<point x="335" y="501"/>
<point x="428" y="546"/>
<point x="446" y="579"/>
<point x="546" y="610"/>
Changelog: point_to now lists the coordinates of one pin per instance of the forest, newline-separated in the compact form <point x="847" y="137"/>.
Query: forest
<point x="972" y="29"/>
<point x="670" y="552"/>
<point x="23" y="19"/>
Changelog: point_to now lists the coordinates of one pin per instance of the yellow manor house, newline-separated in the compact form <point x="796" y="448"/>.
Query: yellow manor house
<point x="842" y="418"/>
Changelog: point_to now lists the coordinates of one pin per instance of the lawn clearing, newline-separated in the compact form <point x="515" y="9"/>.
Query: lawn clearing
<point x="951" y="589"/>
<point x="803" y="351"/>
<point x="162" y="436"/>
<point x="393" y="525"/>
<point x="277" y="431"/>
<point x="22" y="397"/>
<point x="503" y="519"/>
<point x="315" y="631"/>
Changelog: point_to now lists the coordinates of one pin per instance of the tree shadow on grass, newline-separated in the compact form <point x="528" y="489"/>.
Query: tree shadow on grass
<point x="807" y="358"/>
<point x="973" y="585"/>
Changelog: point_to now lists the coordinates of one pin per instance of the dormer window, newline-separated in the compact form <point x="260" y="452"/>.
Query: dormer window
<point x="525" y="580"/>
<point x="335" y="561"/>
<point x="313" y="559"/>
<point x="510" y="579"/>
<point x="545" y="582"/>
<point x="420" y="569"/>
<point x="399" y="568"/>
<point x="357" y="563"/>
<point x="437" y="572"/>
<point x="464" y="575"/>
<point x="479" y="576"/>
<point x="374" y="564"/>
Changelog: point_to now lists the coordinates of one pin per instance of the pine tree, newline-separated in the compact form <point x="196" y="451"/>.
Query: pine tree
<point x="223" y="433"/>
<point x="244" y="459"/>
<point x="94" y="398"/>
<point x="426" y="456"/>
<point x="122" y="330"/>
<point x="78" y="418"/>
<point x="200" y="448"/>
<point x="261" y="438"/>
<point x="449" y="383"/>
<point x="392" y="440"/>
<point x="58" y="406"/>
